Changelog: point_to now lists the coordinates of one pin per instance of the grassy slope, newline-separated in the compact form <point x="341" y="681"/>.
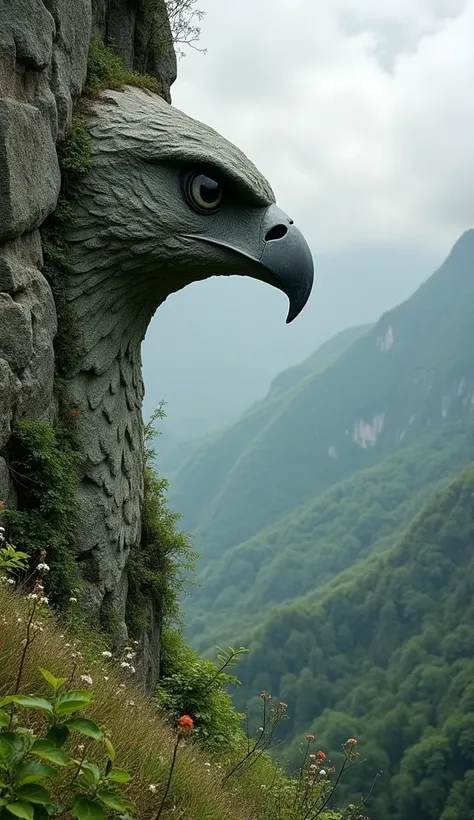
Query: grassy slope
<point x="143" y="740"/>
<point x="279" y="455"/>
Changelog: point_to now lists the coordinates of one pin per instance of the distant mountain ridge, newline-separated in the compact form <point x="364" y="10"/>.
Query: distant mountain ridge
<point x="414" y="369"/>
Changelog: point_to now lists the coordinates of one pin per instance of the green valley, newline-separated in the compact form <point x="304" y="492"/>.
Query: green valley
<point x="336" y="523"/>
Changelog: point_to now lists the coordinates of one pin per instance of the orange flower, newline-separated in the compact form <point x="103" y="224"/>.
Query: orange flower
<point x="351" y="741"/>
<point x="2" y="505"/>
<point x="309" y="737"/>
<point x="185" y="724"/>
<point x="321" y="755"/>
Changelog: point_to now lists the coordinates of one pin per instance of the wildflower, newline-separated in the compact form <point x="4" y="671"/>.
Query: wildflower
<point x="321" y="755"/>
<point x="10" y="581"/>
<point x="81" y="747"/>
<point x="313" y="767"/>
<point x="2" y="505"/>
<point x="42" y="567"/>
<point x="106" y="677"/>
<point x="351" y="742"/>
<point x="125" y="665"/>
<point x="32" y="596"/>
<point x="132" y="670"/>
<point x="322" y="773"/>
<point x="73" y="600"/>
<point x="131" y="703"/>
<point x="106" y="654"/>
<point x="283" y="705"/>
<point x="310" y="737"/>
<point x="86" y="679"/>
<point x="2" y="529"/>
<point x="153" y="788"/>
<point x="208" y="765"/>
<point x="44" y="600"/>
<point x="312" y="757"/>
<point x="264" y="694"/>
<point x="130" y="656"/>
<point x="185" y="724"/>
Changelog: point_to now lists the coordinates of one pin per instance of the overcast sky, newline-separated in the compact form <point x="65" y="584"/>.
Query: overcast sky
<point x="361" y="115"/>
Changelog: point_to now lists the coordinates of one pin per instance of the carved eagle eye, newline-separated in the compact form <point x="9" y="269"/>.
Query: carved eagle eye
<point x="203" y="193"/>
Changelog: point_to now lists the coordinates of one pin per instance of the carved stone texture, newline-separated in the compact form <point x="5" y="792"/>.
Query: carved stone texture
<point x="134" y="239"/>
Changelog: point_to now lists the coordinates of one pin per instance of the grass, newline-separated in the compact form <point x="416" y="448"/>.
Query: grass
<point x="143" y="740"/>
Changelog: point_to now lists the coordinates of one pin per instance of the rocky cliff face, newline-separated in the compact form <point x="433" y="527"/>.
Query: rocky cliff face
<point x="43" y="61"/>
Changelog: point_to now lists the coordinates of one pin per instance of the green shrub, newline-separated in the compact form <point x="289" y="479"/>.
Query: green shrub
<point x="190" y="685"/>
<point x="105" y="69"/>
<point x="43" y="466"/>
<point x="157" y="565"/>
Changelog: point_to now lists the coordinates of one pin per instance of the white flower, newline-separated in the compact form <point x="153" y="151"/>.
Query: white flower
<point x="106" y="654"/>
<point x="130" y="656"/>
<point x="87" y="680"/>
<point x="106" y="677"/>
<point x="152" y="788"/>
<point x="10" y="581"/>
<point x="81" y="747"/>
<point x="323" y="773"/>
<point x="42" y="567"/>
<point x="2" y="529"/>
<point x="44" y="600"/>
<point x="73" y="600"/>
<point x="32" y="596"/>
<point x="125" y="665"/>
<point x="132" y="670"/>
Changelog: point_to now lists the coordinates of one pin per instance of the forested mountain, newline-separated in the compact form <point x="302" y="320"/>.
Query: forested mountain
<point x="386" y="653"/>
<point x="200" y="479"/>
<point x="413" y="370"/>
<point x="353" y="519"/>
<point x="336" y="523"/>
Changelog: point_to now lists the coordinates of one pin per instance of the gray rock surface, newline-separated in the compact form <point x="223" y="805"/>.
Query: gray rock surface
<point x="43" y="55"/>
<point x="142" y="39"/>
<point x="43" y="63"/>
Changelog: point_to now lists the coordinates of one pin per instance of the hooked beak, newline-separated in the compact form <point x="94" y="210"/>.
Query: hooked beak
<point x="287" y="257"/>
<point x="283" y="256"/>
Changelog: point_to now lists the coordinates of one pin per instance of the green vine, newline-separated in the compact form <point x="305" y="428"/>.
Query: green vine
<point x="43" y="466"/>
<point x="157" y="566"/>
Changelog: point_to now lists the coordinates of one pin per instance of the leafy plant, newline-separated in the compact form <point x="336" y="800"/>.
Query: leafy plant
<point x="191" y="685"/>
<point x="30" y="761"/>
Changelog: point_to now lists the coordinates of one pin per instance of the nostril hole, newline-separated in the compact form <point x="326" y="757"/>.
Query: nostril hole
<point x="277" y="232"/>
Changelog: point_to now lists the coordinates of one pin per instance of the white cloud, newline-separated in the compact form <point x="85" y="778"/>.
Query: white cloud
<point x="360" y="112"/>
